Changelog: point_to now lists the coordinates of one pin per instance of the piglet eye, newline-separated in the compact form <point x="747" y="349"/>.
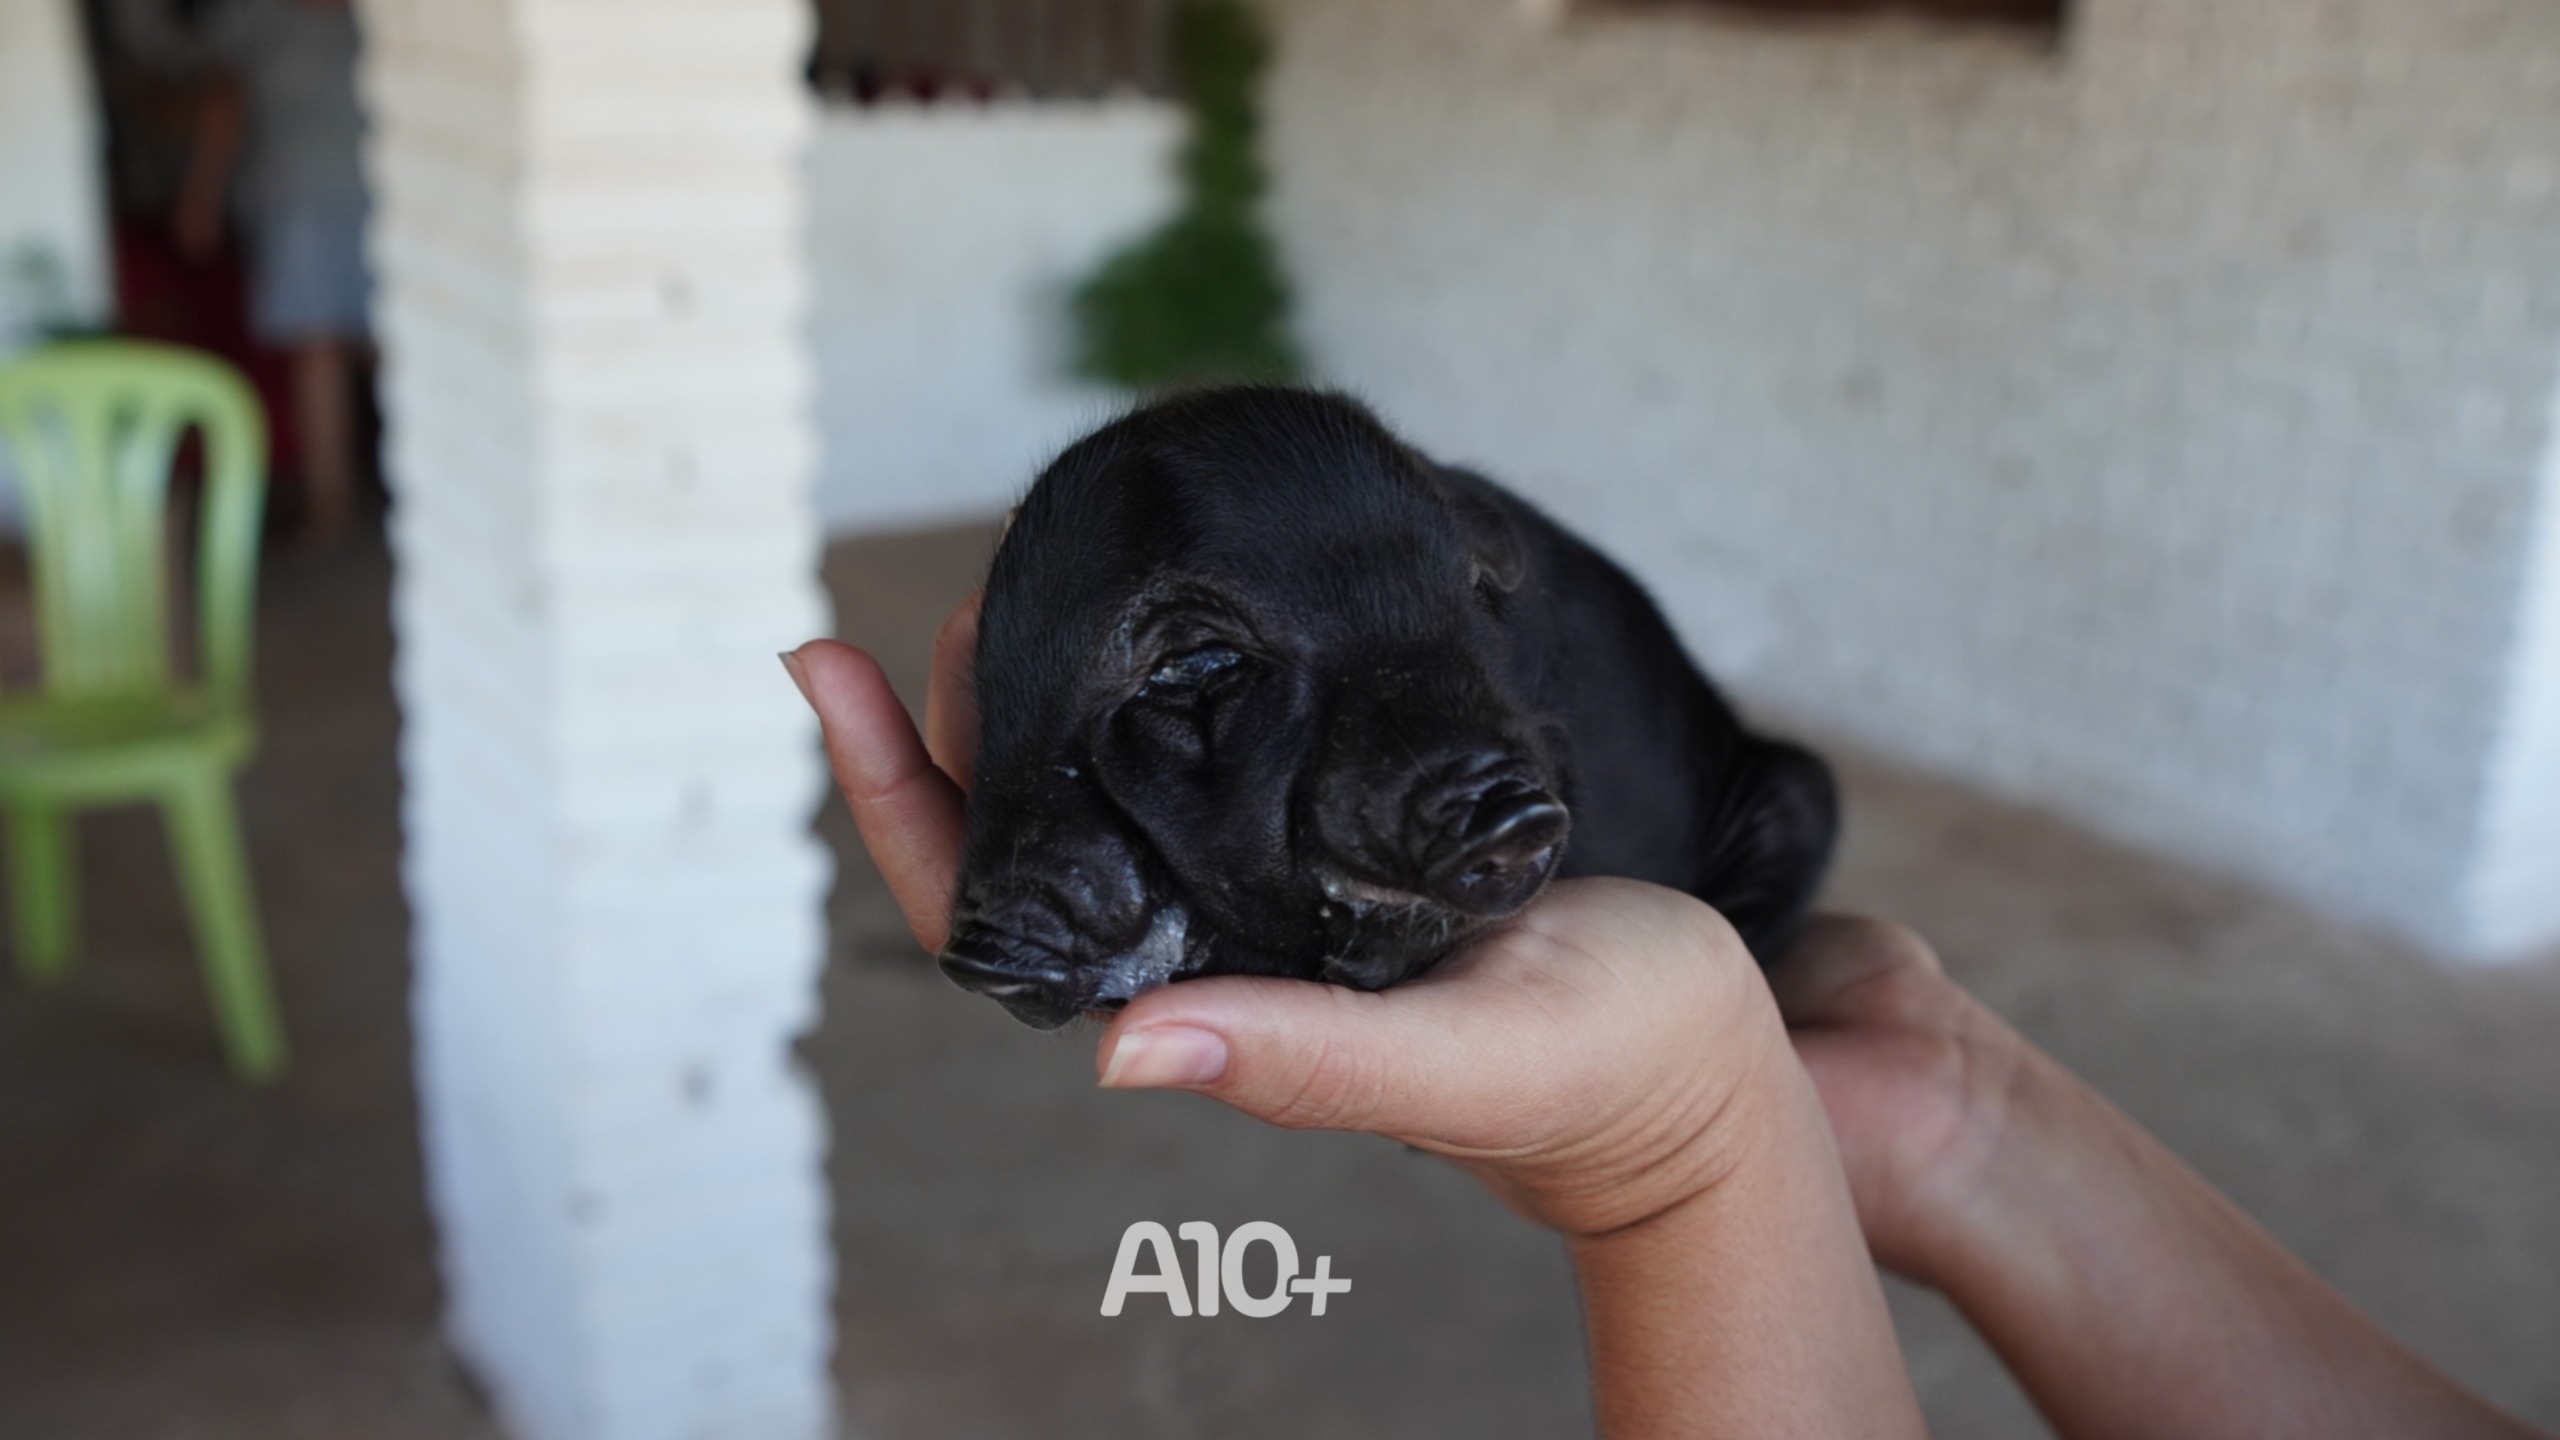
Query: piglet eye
<point x="1193" y="670"/>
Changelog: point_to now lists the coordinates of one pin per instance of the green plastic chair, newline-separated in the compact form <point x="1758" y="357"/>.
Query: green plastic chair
<point x="92" y="427"/>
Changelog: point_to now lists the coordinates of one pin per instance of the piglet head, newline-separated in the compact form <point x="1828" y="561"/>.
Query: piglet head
<point x="1243" y="685"/>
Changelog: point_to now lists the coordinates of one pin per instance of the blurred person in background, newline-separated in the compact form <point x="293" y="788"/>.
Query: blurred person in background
<point x="283" y="117"/>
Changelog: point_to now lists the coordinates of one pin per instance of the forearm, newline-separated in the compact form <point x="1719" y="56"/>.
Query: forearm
<point x="1751" y="1309"/>
<point x="2134" y="1302"/>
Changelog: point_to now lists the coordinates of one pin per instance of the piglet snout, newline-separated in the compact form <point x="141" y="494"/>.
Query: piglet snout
<point x="1489" y="843"/>
<point x="1033" y="985"/>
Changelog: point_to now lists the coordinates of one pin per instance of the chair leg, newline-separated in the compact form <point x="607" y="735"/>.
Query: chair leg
<point x="44" y="890"/>
<point x="204" y="833"/>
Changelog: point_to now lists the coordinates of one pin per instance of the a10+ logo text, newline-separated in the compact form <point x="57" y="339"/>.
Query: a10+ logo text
<point x="1220" y="1271"/>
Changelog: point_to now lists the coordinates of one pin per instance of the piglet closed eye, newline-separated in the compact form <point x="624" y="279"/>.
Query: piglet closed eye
<point x="1262" y="690"/>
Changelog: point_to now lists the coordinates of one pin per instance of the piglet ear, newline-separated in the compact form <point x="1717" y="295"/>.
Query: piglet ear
<point x="1774" y="833"/>
<point x="1484" y="516"/>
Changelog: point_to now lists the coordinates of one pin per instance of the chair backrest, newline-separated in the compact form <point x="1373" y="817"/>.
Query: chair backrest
<point x="92" y="427"/>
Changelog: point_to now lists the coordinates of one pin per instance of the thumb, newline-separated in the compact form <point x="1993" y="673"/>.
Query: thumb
<point x="1291" y="1052"/>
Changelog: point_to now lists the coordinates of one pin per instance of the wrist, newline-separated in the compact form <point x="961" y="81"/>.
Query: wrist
<point x="1748" y="1305"/>
<point x="1750" y="1175"/>
<point x="2059" y="1163"/>
<point x="1691" y="1160"/>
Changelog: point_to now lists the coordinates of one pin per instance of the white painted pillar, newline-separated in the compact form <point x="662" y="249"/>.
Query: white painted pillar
<point x="588" y="240"/>
<point x="53" y="246"/>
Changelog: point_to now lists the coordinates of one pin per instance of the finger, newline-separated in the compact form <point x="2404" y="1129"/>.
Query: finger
<point x="909" y="812"/>
<point x="1835" y="956"/>
<point x="951" y="700"/>
<point x="1291" y="1052"/>
<point x="1488" y="1036"/>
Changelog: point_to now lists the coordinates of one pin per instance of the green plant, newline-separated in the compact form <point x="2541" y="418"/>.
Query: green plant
<point x="1203" y="298"/>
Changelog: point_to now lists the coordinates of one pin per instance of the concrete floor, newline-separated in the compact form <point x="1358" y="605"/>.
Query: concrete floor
<point x="180" y="1257"/>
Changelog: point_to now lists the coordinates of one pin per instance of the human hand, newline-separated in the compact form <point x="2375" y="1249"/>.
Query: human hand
<point x="1913" y="1072"/>
<point x="2127" y="1296"/>
<point x="1584" y="1062"/>
<point x="1597" y="1062"/>
<point x="907" y="792"/>
<point x="1919" y="1080"/>
<point x="1610" y="1064"/>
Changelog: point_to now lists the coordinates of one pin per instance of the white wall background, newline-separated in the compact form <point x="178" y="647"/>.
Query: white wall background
<point x="2152" y="430"/>
<point x="2517" y="879"/>
<point x="945" y="240"/>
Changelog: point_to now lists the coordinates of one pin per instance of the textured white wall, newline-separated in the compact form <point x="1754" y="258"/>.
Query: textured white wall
<point x="2150" y="430"/>
<point x="944" y="240"/>
<point x="593" y="309"/>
